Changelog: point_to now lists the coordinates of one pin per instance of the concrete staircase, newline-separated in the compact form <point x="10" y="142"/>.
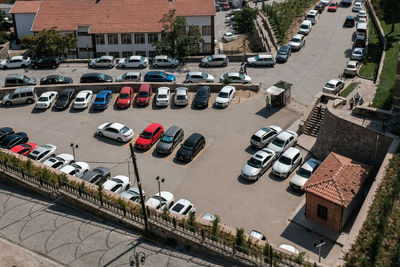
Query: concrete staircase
<point x="313" y="122"/>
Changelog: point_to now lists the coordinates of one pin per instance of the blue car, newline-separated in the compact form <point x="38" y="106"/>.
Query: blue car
<point x="12" y="140"/>
<point x="159" y="76"/>
<point x="102" y="99"/>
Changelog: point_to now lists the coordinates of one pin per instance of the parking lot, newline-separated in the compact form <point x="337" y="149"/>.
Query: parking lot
<point x="212" y="181"/>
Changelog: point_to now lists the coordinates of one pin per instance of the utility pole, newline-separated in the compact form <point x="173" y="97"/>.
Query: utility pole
<point x="316" y="245"/>
<point x="139" y="186"/>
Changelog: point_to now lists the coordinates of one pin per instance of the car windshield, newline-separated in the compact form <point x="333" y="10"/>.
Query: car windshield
<point x="178" y="207"/>
<point x="124" y="129"/>
<point x="210" y="58"/>
<point x="223" y="95"/>
<point x="357" y="52"/>
<point x="304" y="173"/>
<point x="285" y="160"/>
<point x="201" y="94"/>
<point x="143" y="94"/>
<point x="204" y="75"/>
<point x="296" y="40"/>
<point x="26" y="79"/>
<point x="43" y="99"/>
<point x="80" y="99"/>
<point x="350" y="66"/>
<point x="329" y="85"/>
<point x="167" y="139"/>
<point x="161" y="199"/>
<point x="63" y="97"/>
<point x="124" y="96"/>
<point x="303" y="26"/>
<point x="278" y="142"/>
<point x="99" y="99"/>
<point x="181" y="97"/>
<point x="146" y="135"/>
<point x="254" y="163"/>
<point x="162" y="96"/>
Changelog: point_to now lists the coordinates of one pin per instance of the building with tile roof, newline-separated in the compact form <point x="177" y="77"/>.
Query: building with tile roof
<point x="335" y="191"/>
<point x="23" y="14"/>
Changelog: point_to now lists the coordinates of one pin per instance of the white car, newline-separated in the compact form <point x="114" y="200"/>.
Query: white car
<point x="261" y="60"/>
<point x="158" y="202"/>
<point x="116" y="131"/>
<point x="42" y="153"/>
<point x="297" y="42"/>
<point x="304" y="173"/>
<point x="362" y="14"/>
<point x="325" y="2"/>
<point x="133" y="194"/>
<point x="117" y="184"/>
<point x="351" y="68"/>
<point x="198" y="77"/>
<point x="235" y="77"/>
<point x="358" y="53"/>
<point x="289" y="248"/>
<point x="283" y="141"/>
<point x="102" y="62"/>
<point x="46" y="99"/>
<point x="133" y="62"/>
<point x="362" y="20"/>
<point x="15" y="62"/>
<point x="77" y="169"/>
<point x="257" y="235"/>
<point x="83" y="99"/>
<point x="181" y="96"/>
<point x="357" y="7"/>
<point x="130" y="76"/>
<point x="163" y="95"/>
<point x="225" y="96"/>
<point x="258" y="164"/>
<point x="183" y="207"/>
<point x="333" y="86"/>
<point x="287" y="162"/>
<point x="264" y="136"/>
<point x="228" y="36"/>
<point x="208" y="217"/>
<point x="59" y="161"/>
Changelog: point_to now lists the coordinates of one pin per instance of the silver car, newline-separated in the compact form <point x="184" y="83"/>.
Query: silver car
<point x="258" y="164"/>
<point x="133" y="194"/>
<point x="165" y="61"/>
<point x="199" y="77"/>
<point x="215" y="60"/>
<point x="133" y="62"/>
<point x="287" y="162"/>
<point x="42" y="153"/>
<point x="181" y="97"/>
<point x="283" y="141"/>
<point x="132" y="76"/>
<point x="264" y="136"/>
<point x="102" y="62"/>
<point x="304" y="173"/>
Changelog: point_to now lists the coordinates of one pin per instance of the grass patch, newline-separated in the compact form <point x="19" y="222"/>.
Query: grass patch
<point x="349" y="89"/>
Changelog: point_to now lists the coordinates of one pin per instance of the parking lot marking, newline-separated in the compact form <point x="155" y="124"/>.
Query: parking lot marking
<point x="132" y="140"/>
<point x="190" y="99"/>
<point x="197" y="156"/>
<point x="115" y="100"/>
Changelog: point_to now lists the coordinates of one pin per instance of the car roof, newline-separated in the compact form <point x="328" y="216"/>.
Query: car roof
<point x="84" y="93"/>
<point x="350" y="17"/>
<point x="219" y="55"/>
<point x="17" y="57"/>
<point x="227" y="88"/>
<point x="15" y="75"/>
<point x="145" y="87"/>
<point x="333" y="81"/>
<point x="48" y="93"/>
<point x="161" y="57"/>
<point x="184" y="202"/>
<point x="172" y="130"/>
<point x="192" y="139"/>
<point x="181" y="91"/>
<point x="265" y="56"/>
<point x="284" y="135"/>
<point x="261" y="154"/>
<point x="154" y="72"/>
<point x="311" y="164"/>
<point x="152" y="127"/>
<point x="233" y="74"/>
<point x="92" y="74"/>
<point x="203" y="88"/>
<point x="107" y="57"/>
<point x="135" y="57"/>
<point x="104" y="92"/>
<point x="291" y="152"/>
<point x="117" y="125"/>
<point x="298" y="36"/>
<point x="352" y="62"/>
<point x="306" y="21"/>
<point x="132" y="73"/>
<point x="162" y="90"/>
<point x="125" y="89"/>
<point x="195" y="73"/>
<point x="312" y="12"/>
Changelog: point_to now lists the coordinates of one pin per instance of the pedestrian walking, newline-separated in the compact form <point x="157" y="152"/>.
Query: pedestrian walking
<point x="245" y="68"/>
<point x="267" y="103"/>
<point x="241" y="68"/>
<point x="356" y="98"/>
<point x="319" y="112"/>
<point x="361" y="101"/>
<point x="351" y="102"/>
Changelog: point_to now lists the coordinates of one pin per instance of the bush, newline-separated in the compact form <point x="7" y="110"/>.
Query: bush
<point x="4" y="37"/>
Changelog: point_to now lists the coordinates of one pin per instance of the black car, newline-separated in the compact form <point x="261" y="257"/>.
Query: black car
<point x="350" y="21"/>
<point x="96" y="77"/>
<point x="202" y="96"/>
<point x="320" y="8"/>
<point x="64" y="98"/>
<point x="169" y="140"/>
<point x="12" y="140"/>
<point x="191" y="147"/>
<point x="284" y="53"/>
<point x="47" y="62"/>
<point x="97" y="176"/>
<point x="4" y="131"/>
<point x="55" y="79"/>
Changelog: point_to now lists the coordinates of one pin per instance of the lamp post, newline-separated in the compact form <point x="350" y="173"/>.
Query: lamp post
<point x="73" y="146"/>
<point x="159" y="181"/>
<point x="137" y="258"/>
<point x="316" y="245"/>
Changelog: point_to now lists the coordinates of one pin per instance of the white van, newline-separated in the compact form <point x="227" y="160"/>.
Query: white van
<point x="305" y="27"/>
<point x="312" y="16"/>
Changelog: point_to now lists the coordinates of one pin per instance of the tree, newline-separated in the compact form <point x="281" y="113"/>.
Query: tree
<point x="175" y="41"/>
<point x="243" y="21"/>
<point x="240" y="241"/>
<point x="49" y="43"/>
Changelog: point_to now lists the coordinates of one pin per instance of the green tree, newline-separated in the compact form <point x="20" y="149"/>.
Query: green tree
<point x="240" y="241"/>
<point x="243" y="21"/>
<point x="175" y="40"/>
<point x="49" y="43"/>
<point x="215" y="228"/>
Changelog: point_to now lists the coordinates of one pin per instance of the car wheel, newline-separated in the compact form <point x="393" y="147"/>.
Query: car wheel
<point x="29" y="101"/>
<point x="23" y="66"/>
<point x="123" y="67"/>
<point x="155" y="65"/>
<point x="35" y="67"/>
<point x="224" y="65"/>
<point x="5" y="67"/>
<point x="110" y="66"/>
<point x="119" y="139"/>
<point x="252" y="65"/>
<point x="173" y="66"/>
<point x="100" y="134"/>
<point x="190" y="81"/>
<point x="258" y="177"/>
<point x="207" y="65"/>
<point x="8" y="103"/>
<point x="142" y="66"/>
<point x="54" y="66"/>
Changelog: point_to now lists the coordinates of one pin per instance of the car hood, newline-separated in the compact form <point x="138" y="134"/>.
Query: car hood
<point x="200" y="99"/>
<point x="124" y="101"/>
<point x="163" y="145"/>
<point x="275" y="148"/>
<point x="298" y="180"/>
<point x="6" y="97"/>
<point x="170" y="77"/>
<point x="101" y="127"/>
<point x="3" y="62"/>
<point x="294" y="44"/>
<point x="278" y="55"/>
<point x="222" y="100"/>
<point x="143" y="141"/>
<point x="93" y="61"/>
<point x="184" y="152"/>
<point x="122" y="60"/>
<point x="280" y="167"/>
<point x="152" y="202"/>
<point x="249" y="170"/>
<point x="142" y="99"/>
<point x="210" y="78"/>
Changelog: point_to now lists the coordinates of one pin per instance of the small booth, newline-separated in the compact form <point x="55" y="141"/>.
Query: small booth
<point x="279" y="93"/>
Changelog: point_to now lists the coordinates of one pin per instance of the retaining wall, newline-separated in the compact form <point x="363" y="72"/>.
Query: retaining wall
<point x="4" y="50"/>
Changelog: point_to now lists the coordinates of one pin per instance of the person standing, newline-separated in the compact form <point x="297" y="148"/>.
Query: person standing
<point x="245" y="68"/>
<point x="241" y="68"/>
<point x="319" y="112"/>
<point x="351" y="102"/>
<point x="267" y="103"/>
<point x="356" y="98"/>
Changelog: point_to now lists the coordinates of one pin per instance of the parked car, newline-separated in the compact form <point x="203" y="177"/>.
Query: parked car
<point x="208" y="217"/>
<point x="55" y="79"/>
<point x="333" y="7"/>
<point x="225" y="6"/>
<point x="46" y="99"/>
<point x="346" y="2"/>
<point x="313" y="16"/>
<point x="362" y="14"/>
<point x="304" y="173"/>
<point x="144" y="95"/>
<point x="357" y="7"/>
<point x="320" y="8"/>
<point x="351" y="68"/>
<point x="13" y="140"/>
<point x="257" y="235"/>
<point x="15" y="62"/>
<point x="159" y="76"/>
<point x="199" y="77"/>
<point x="297" y="42"/>
<point x="133" y="194"/>
<point x="289" y="248"/>
<point x="287" y="162"/>
<point x="24" y="149"/>
<point x="77" y="169"/>
<point x="284" y="53"/>
<point x="117" y="184"/>
<point x="59" y="161"/>
<point x="183" y="207"/>
<point x="161" y="200"/>
<point x="102" y="62"/>
<point x="42" y="153"/>
<point x="264" y="136"/>
<point x="325" y="2"/>
<point x="133" y="62"/>
<point x="181" y="96"/>
<point x="131" y="76"/>
<point x="124" y="99"/>
<point x="13" y="80"/>
<point x="162" y="97"/>
<point x="97" y="176"/>
<point x="64" y="98"/>
<point x="96" y="77"/>
<point x="225" y="96"/>
<point x="305" y="27"/>
<point x="5" y="131"/>
<point x="191" y="147"/>
<point x="228" y="36"/>
<point x="358" y="53"/>
<point x="350" y="21"/>
<point x="102" y="99"/>
<point x="202" y="97"/>
<point x="283" y="141"/>
<point x="215" y="60"/>
<point x="261" y="60"/>
<point x="83" y="99"/>
<point x="169" y="140"/>
<point x="258" y="164"/>
<point x="22" y="95"/>
<point x="149" y="136"/>
<point x="46" y="62"/>
<point x="116" y="131"/>
<point x="333" y="86"/>
<point x="165" y="61"/>
<point x="235" y="77"/>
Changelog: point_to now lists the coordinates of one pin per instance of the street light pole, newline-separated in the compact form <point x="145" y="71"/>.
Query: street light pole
<point x="159" y="181"/>
<point x="73" y="146"/>
<point x="316" y="245"/>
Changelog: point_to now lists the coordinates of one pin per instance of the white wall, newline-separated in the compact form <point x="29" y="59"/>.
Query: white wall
<point x="24" y="24"/>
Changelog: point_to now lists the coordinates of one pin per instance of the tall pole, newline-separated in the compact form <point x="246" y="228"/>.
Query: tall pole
<point x="139" y="186"/>
<point x="159" y="181"/>
<point x="73" y="153"/>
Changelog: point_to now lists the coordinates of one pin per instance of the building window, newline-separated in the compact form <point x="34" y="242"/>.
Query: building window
<point x="207" y="48"/>
<point x="83" y="34"/>
<point x="206" y="30"/>
<point x="152" y="37"/>
<point x="141" y="53"/>
<point x="152" y="53"/>
<point x="322" y="212"/>
<point x="113" y="39"/>
<point x="127" y="54"/>
<point x="114" y="54"/>
<point x="84" y="49"/>
<point x="126" y="38"/>
<point x="99" y="54"/>
<point x="139" y="38"/>
<point x="99" y="39"/>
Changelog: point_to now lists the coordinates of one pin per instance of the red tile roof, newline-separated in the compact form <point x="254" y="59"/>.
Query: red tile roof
<point x="115" y="16"/>
<point x="337" y="179"/>
<point x="26" y="7"/>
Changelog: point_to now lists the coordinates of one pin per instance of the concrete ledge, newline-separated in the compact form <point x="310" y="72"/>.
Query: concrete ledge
<point x="370" y="112"/>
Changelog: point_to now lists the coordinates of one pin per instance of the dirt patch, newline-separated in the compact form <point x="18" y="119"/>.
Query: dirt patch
<point x="294" y="28"/>
<point x="242" y="95"/>
<point x="238" y="46"/>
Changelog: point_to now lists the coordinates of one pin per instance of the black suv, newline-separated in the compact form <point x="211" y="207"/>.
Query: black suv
<point x="64" y="98"/>
<point x="97" y="176"/>
<point x="169" y="140"/>
<point x="47" y="62"/>
<point x="350" y="21"/>
<point x="96" y="77"/>
<point x="191" y="147"/>
<point x="202" y="96"/>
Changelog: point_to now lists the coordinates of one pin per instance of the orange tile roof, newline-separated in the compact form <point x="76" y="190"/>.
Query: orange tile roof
<point x="115" y="16"/>
<point x="337" y="179"/>
<point x="26" y="7"/>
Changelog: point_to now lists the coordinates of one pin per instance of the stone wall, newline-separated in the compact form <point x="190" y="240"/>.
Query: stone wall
<point x="4" y="50"/>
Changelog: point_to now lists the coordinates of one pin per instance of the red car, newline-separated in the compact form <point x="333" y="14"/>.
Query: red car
<point x="226" y="6"/>
<point x="144" y="95"/>
<point x="149" y="136"/>
<point x="333" y="7"/>
<point x="24" y="149"/>
<point x="125" y="97"/>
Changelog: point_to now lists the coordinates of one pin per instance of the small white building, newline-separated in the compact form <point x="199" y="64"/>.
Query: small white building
<point x="23" y="15"/>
